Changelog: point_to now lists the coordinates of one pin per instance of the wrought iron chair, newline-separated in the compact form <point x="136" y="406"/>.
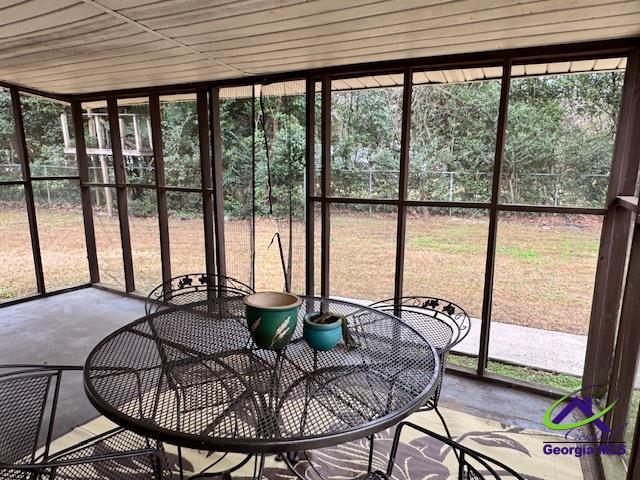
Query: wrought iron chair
<point x="192" y="288"/>
<point x="472" y="465"/>
<point x="28" y="400"/>
<point x="443" y="322"/>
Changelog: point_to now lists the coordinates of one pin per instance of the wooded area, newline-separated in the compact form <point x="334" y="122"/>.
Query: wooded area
<point x="558" y="150"/>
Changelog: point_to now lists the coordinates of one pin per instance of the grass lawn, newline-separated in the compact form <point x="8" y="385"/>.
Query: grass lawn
<point x="545" y="266"/>
<point x="562" y="381"/>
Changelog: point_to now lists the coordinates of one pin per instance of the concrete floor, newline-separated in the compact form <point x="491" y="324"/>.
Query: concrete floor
<point x="63" y="329"/>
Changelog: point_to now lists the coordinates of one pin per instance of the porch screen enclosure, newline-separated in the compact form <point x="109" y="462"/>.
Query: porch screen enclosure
<point x="504" y="182"/>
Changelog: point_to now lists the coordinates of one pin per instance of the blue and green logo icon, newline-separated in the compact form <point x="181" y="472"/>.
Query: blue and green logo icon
<point x="584" y="404"/>
<point x="582" y="411"/>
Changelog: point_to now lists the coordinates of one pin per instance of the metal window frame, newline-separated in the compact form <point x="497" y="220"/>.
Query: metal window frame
<point x="325" y="199"/>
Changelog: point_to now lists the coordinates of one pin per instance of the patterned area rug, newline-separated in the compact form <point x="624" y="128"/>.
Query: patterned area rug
<point x="418" y="457"/>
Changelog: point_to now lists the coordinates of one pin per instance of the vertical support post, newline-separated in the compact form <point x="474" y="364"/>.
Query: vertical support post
<point x="615" y="233"/>
<point x="310" y="127"/>
<point x="207" y="182"/>
<point x="253" y="186"/>
<point x="85" y="192"/>
<point x="218" y="179"/>
<point x="623" y="371"/>
<point x="487" y="300"/>
<point x="326" y="186"/>
<point x="121" y="193"/>
<point x="155" y="130"/>
<point x="405" y="138"/>
<point x="23" y="157"/>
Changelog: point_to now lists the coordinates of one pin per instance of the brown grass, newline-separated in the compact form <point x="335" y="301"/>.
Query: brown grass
<point x="544" y="269"/>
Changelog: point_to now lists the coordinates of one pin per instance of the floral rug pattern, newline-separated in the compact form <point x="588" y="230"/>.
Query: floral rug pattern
<point x="418" y="457"/>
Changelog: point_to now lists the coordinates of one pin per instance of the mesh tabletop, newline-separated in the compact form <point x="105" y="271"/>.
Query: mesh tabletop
<point x="192" y="376"/>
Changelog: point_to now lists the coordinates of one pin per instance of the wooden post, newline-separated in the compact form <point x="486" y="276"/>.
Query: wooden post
<point x="326" y="187"/>
<point x="405" y="137"/>
<point x="65" y="130"/>
<point x="103" y="164"/>
<point x="155" y="133"/>
<point x="310" y="130"/>
<point x="149" y="132"/>
<point x="85" y="192"/>
<point x="207" y="183"/>
<point x="23" y="157"/>
<point x="487" y="300"/>
<point x="121" y="128"/>
<point x="136" y="132"/>
<point x="218" y="180"/>
<point x="615" y="233"/>
<point x="121" y="193"/>
<point x="253" y="186"/>
<point x="623" y="371"/>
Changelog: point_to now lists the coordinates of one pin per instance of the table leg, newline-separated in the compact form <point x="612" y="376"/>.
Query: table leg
<point x="371" y="447"/>
<point x="180" y="466"/>
<point x="259" y="467"/>
<point x="291" y="466"/>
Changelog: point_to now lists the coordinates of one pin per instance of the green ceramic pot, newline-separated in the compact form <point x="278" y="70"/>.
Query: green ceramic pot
<point x="272" y="318"/>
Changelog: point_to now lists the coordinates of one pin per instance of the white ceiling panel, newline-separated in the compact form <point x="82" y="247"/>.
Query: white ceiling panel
<point x="79" y="46"/>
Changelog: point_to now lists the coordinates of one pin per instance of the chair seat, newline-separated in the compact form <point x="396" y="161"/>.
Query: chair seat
<point x="114" y="442"/>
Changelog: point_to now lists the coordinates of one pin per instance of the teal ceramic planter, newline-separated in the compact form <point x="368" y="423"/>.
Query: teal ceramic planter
<point x="321" y="336"/>
<point x="271" y="318"/>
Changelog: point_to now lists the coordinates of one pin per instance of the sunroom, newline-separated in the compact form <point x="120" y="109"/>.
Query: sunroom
<point x="319" y="240"/>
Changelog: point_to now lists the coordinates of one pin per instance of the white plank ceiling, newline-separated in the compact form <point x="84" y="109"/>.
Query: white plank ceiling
<point x="77" y="46"/>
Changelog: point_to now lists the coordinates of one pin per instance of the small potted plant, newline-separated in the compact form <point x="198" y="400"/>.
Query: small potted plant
<point x="323" y="331"/>
<point x="272" y="318"/>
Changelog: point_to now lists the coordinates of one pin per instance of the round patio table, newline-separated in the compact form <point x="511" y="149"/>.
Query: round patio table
<point x="191" y="376"/>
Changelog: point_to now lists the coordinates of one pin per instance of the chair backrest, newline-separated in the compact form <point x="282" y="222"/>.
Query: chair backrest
<point x="443" y="322"/>
<point x="192" y="288"/>
<point x="472" y="465"/>
<point x="23" y="403"/>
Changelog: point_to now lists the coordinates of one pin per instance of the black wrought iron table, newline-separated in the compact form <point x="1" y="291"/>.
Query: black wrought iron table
<point x="191" y="376"/>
